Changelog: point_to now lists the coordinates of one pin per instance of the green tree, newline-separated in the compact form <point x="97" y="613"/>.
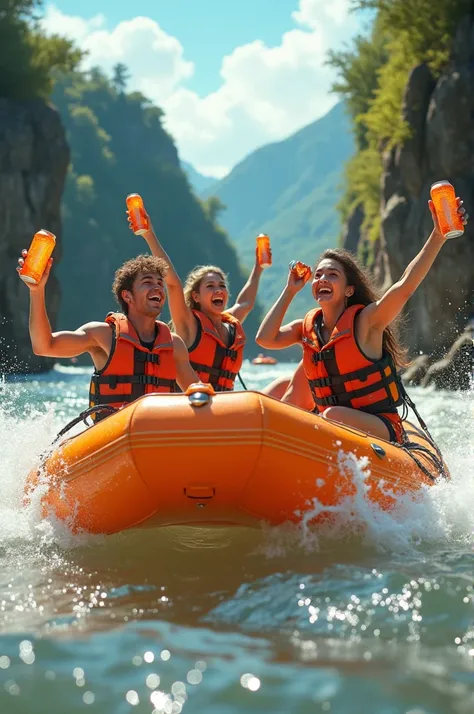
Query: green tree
<point x="213" y="207"/>
<point x="427" y="26"/>
<point x="29" y="58"/>
<point x="120" y="77"/>
<point x="358" y="69"/>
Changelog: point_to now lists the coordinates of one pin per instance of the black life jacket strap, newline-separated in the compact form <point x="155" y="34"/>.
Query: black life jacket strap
<point x="358" y="374"/>
<point x="215" y="371"/>
<point x="341" y="397"/>
<point x="141" y="380"/>
<point x="147" y="357"/>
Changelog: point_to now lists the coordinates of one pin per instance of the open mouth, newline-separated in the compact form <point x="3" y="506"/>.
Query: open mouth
<point x="324" y="291"/>
<point x="218" y="301"/>
<point x="156" y="299"/>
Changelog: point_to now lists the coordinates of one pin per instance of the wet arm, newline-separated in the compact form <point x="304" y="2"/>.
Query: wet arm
<point x="58" y="344"/>
<point x="185" y="374"/>
<point x="271" y="335"/>
<point x="183" y="318"/>
<point x="247" y="296"/>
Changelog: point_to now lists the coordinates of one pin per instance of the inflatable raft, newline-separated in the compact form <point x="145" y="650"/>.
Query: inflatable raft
<point x="236" y="458"/>
<point x="264" y="359"/>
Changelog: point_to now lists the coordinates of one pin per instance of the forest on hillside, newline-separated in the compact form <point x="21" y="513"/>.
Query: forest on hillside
<point x="118" y="146"/>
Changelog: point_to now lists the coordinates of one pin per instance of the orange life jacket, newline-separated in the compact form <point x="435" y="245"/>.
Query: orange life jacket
<point x="338" y="372"/>
<point x="215" y="362"/>
<point x="133" y="370"/>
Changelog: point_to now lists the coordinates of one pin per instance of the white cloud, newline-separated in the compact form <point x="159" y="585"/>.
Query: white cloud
<point x="266" y="92"/>
<point x="312" y="13"/>
<point x="154" y="58"/>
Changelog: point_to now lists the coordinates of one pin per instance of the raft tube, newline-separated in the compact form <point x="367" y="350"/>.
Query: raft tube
<point x="235" y="458"/>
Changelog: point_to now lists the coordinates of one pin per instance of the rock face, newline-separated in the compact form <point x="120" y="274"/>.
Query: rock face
<point x="34" y="157"/>
<point x="441" y="117"/>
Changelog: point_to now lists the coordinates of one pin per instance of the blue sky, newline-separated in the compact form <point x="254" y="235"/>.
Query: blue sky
<point x="207" y="29"/>
<point x="230" y="76"/>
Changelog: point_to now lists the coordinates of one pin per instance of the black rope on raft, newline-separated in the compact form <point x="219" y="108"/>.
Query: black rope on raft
<point x="409" y="446"/>
<point x="83" y="416"/>
<point x="242" y="381"/>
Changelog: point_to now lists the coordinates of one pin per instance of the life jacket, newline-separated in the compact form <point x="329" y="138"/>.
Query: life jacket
<point x="338" y="372"/>
<point x="133" y="370"/>
<point x="215" y="362"/>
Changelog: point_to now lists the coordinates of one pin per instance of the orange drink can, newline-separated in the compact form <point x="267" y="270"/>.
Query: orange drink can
<point x="299" y="268"/>
<point x="39" y="253"/>
<point x="263" y="251"/>
<point x="138" y="218"/>
<point x="443" y="196"/>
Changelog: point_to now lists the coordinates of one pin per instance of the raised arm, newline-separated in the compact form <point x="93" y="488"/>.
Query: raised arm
<point x="247" y="296"/>
<point x="88" y="338"/>
<point x="182" y="316"/>
<point x="271" y="335"/>
<point x="378" y="315"/>
<point x="185" y="374"/>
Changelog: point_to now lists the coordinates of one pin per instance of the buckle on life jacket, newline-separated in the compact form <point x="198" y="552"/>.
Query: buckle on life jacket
<point x="147" y="357"/>
<point x="323" y="355"/>
<point x="331" y="401"/>
<point x="231" y="353"/>
<point x="146" y="379"/>
<point x="323" y="382"/>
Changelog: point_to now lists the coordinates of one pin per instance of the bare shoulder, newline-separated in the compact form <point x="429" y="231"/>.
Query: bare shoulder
<point x="99" y="334"/>
<point x="93" y="327"/>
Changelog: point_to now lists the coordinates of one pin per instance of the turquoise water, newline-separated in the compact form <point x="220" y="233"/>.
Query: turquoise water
<point x="373" y="615"/>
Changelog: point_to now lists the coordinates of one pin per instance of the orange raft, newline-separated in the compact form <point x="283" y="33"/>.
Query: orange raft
<point x="235" y="458"/>
<point x="264" y="359"/>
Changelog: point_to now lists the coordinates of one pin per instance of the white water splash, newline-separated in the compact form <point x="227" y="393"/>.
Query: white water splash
<point x="443" y="513"/>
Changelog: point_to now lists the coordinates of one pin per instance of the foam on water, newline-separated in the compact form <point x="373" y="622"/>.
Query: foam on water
<point x="441" y="514"/>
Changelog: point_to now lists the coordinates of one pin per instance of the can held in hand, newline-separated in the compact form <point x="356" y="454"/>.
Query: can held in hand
<point x="450" y="222"/>
<point x="37" y="258"/>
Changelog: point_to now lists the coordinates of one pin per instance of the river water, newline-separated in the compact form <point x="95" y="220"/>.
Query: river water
<point x="372" y="615"/>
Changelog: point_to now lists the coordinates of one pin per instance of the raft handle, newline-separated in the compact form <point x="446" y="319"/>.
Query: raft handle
<point x="378" y="450"/>
<point x="200" y="492"/>
<point x="199" y="394"/>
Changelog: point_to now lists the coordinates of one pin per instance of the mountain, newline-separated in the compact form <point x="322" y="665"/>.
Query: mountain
<point x="199" y="183"/>
<point x="288" y="189"/>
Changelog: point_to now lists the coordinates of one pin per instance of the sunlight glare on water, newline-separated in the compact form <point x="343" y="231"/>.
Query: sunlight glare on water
<point x="373" y="613"/>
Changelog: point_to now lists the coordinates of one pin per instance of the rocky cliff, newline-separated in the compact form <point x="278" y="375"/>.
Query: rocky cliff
<point x="440" y="115"/>
<point x="34" y="157"/>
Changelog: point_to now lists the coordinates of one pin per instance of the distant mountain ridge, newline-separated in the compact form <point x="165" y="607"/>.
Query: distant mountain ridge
<point x="199" y="183"/>
<point x="288" y="189"/>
